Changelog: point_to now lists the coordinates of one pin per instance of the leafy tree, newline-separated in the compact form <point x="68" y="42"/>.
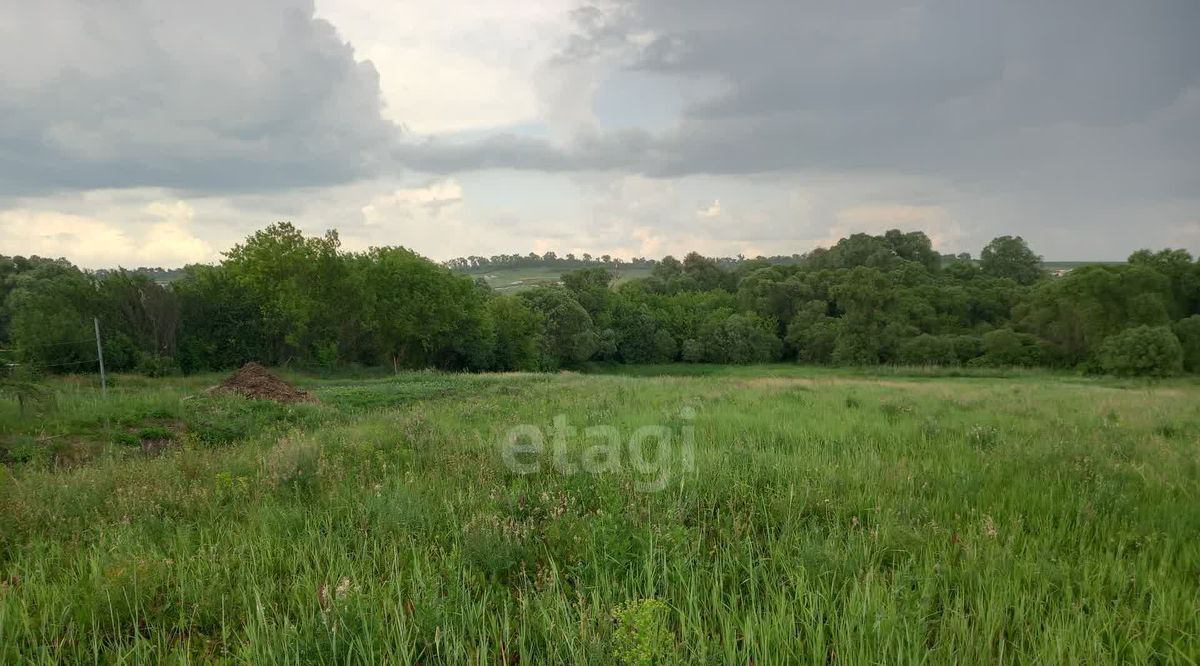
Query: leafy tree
<point x="591" y="287"/>
<point x="1076" y="312"/>
<point x="772" y="294"/>
<point x="299" y="281"/>
<point x="913" y="246"/>
<point x="705" y="272"/>
<point x="52" y="306"/>
<point x="517" y="329"/>
<point x="418" y="313"/>
<point x="1188" y="332"/>
<point x="145" y="314"/>
<point x="1182" y="274"/>
<point x="812" y="333"/>
<point x="1145" y="351"/>
<point x="568" y="337"/>
<point x="739" y="338"/>
<point x="221" y="322"/>
<point x="665" y="347"/>
<point x="1010" y="257"/>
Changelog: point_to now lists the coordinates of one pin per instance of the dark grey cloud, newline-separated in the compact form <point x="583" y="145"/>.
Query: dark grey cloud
<point x="215" y="95"/>
<point x="937" y="86"/>
<point x="1074" y="97"/>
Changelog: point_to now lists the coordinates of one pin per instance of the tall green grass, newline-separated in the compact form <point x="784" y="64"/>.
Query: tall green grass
<point x="829" y="517"/>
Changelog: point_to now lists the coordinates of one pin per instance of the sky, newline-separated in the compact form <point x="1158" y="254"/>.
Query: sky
<point x="161" y="132"/>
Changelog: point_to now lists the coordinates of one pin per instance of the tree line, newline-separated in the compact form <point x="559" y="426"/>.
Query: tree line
<point x="281" y="297"/>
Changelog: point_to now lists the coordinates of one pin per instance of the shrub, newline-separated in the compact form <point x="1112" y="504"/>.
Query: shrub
<point x="967" y="347"/>
<point x="1151" y="351"/>
<point x="153" y="365"/>
<point x="1004" y="347"/>
<point x="642" y="637"/>
<point x="928" y="350"/>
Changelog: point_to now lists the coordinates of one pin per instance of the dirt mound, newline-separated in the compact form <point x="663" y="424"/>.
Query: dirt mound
<point x="256" y="382"/>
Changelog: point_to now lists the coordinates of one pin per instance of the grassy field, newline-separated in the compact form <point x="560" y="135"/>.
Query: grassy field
<point x="513" y="280"/>
<point x="776" y="515"/>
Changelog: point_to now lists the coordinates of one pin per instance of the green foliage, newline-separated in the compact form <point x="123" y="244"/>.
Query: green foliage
<point x="22" y="385"/>
<point x="1152" y="351"/>
<point x="1078" y="311"/>
<point x="1010" y="257"/>
<point x="286" y="299"/>
<point x="642" y="636"/>
<point x="568" y="336"/>
<point x="518" y="330"/>
<point x="1188" y="332"/>
<point x="1005" y="347"/>
<point x="739" y="338"/>
<point x="928" y="349"/>
<point x="222" y="324"/>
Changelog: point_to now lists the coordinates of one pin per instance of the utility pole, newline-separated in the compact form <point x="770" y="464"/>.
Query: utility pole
<point x="100" y="356"/>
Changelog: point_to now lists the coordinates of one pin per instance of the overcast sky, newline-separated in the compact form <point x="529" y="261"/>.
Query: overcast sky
<point x="160" y="132"/>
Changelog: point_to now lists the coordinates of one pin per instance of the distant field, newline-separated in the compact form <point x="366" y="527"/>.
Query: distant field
<point x="1071" y="265"/>
<point x="511" y="280"/>
<point x="763" y="515"/>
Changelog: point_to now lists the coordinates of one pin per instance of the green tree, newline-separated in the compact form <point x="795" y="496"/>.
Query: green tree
<point x="518" y="329"/>
<point x="739" y="338"/>
<point x="1188" y="332"/>
<point x="52" y="305"/>
<point x="568" y="337"/>
<point x="592" y="289"/>
<point x="221" y="322"/>
<point x="1076" y="312"/>
<point x="1010" y="257"/>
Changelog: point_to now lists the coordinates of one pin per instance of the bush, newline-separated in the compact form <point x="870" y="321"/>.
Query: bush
<point x="664" y="346"/>
<point x="642" y="637"/>
<point x="967" y="347"/>
<point x="1005" y="347"/>
<point x="1188" y="332"/>
<point x="928" y="350"/>
<point x="1151" y="351"/>
<point x="153" y="365"/>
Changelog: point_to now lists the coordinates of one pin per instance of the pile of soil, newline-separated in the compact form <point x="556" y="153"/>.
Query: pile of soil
<point x="256" y="382"/>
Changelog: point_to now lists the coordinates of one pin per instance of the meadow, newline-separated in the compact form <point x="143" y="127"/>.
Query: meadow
<point x="507" y="280"/>
<point x="821" y="516"/>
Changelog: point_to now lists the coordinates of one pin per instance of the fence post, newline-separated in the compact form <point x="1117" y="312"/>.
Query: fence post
<point x="100" y="357"/>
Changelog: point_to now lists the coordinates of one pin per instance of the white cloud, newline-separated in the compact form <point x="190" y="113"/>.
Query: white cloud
<point x="711" y="210"/>
<point x="408" y="203"/>
<point x="97" y="243"/>
<point x="453" y="65"/>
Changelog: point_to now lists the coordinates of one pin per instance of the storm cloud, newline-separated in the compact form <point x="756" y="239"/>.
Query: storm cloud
<point x="200" y="96"/>
<point x="614" y="125"/>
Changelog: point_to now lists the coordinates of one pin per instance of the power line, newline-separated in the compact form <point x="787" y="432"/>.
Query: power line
<point x="59" y="365"/>
<point x="52" y="344"/>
